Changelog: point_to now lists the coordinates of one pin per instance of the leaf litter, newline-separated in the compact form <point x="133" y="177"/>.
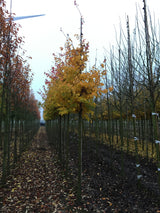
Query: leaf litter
<point x="38" y="184"/>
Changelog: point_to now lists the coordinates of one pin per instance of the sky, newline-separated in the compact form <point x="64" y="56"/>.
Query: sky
<point x="43" y="37"/>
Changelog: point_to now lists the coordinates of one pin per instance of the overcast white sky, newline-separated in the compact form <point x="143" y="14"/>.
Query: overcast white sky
<point x="43" y="36"/>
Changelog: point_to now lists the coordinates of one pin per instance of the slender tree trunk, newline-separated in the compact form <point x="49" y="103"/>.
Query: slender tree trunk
<point x="15" y="140"/>
<point x="60" y="139"/>
<point x="67" y="145"/>
<point x="79" y="190"/>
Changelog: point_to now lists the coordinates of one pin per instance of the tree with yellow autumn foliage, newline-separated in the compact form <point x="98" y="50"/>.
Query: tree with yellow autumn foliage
<point x="72" y="89"/>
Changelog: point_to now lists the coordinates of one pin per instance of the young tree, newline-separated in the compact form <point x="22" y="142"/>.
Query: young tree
<point x="71" y="89"/>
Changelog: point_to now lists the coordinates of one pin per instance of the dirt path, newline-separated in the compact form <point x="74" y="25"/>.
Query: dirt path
<point x="37" y="184"/>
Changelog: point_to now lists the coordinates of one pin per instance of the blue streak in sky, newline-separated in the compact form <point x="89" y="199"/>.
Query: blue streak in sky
<point x="25" y="17"/>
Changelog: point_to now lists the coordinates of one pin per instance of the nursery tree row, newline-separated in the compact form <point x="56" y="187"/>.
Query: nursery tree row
<point x="119" y="102"/>
<point x="19" y="111"/>
<point x="134" y="67"/>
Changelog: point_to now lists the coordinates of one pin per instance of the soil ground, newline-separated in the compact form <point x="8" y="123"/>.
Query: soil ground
<point x="38" y="183"/>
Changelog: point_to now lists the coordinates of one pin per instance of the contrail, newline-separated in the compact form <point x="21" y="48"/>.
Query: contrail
<point x="25" y="17"/>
